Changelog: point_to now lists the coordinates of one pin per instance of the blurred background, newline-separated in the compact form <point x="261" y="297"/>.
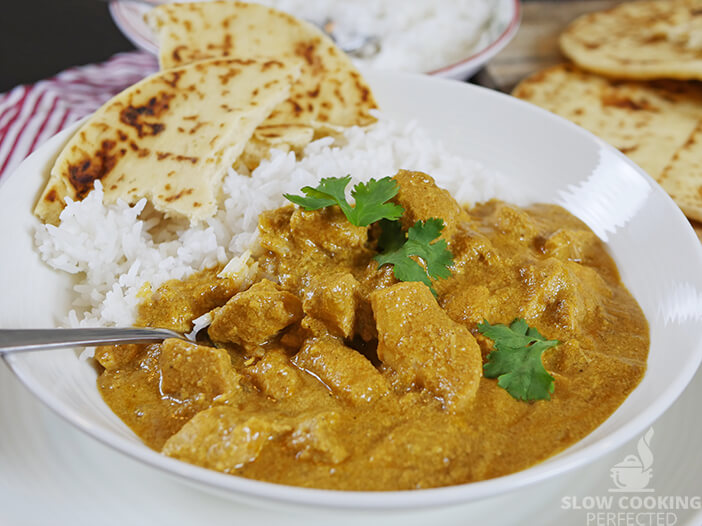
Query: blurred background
<point x="39" y="38"/>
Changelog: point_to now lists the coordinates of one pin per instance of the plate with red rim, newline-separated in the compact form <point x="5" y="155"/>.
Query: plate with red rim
<point x="656" y="250"/>
<point x="129" y="17"/>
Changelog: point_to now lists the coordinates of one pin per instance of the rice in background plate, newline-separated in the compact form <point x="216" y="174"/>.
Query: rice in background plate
<point x="118" y="250"/>
<point x="417" y="35"/>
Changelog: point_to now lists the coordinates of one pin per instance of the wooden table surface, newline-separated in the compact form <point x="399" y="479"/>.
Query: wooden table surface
<point x="536" y="44"/>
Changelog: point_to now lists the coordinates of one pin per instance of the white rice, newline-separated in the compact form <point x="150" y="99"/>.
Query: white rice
<point x="114" y="250"/>
<point x="415" y="36"/>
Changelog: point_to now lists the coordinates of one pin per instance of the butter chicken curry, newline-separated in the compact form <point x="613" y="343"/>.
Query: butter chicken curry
<point x="327" y="371"/>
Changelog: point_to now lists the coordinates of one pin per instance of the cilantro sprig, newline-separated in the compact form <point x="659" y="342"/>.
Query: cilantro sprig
<point x="371" y="199"/>
<point x="516" y="362"/>
<point x="372" y="204"/>
<point x="420" y="242"/>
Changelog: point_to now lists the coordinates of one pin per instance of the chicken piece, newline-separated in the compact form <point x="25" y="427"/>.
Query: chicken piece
<point x="579" y="246"/>
<point x="332" y="299"/>
<point x="571" y="240"/>
<point x="422" y="200"/>
<point x="223" y="438"/>
<point x="195" y="373"/>
<point x="349" y="374"/>
<point x="274" y="375"/>
<point x="469" y="304"/>
<point x="115" y="357"/>
<point x="329" y="230"/>
<point x="472" y="248"/>
<point x="563" y="292"/>
<point x="175" y="304"/>
<point x="300" y="243"/>
<point x="318" y="439"/>
<point x="418" y="340"/>
<point x="295" y="337"/>
<point x="372" y="278"/>
<point x="514" y="222"/>
<point x="313" y="328"/>
<point x="274" y="231"/>
<point x="256" y="315"/>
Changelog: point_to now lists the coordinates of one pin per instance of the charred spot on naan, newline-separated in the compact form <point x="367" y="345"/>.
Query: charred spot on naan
<point x="172" y="78"/>
<point x="308" y="51"/>
<point x="626" y="102"/>
<point x="182" y="128"/>
<point x="83" y="174"/>
<point x="329" y="95"/>
<point x="136" y="116"/>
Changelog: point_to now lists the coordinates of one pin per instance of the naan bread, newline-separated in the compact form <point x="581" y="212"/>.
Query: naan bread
<point x="639" y="40"/>
<point x="649" y="122"/>
<point x="682" y="178"/>
<point x="283" y="137"/>
<point x="171" y="137"/>
<point x="330" y="91"/>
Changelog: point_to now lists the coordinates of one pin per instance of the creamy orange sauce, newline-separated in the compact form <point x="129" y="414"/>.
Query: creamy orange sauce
<point x="337" y="376"/>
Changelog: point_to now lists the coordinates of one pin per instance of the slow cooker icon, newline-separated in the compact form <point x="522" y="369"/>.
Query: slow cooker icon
<point x="633" y="474"/>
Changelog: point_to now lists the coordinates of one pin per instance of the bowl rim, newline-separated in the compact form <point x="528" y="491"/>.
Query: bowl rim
<point x="234" y="486"/>
<point x="123" y="21"/>
<point x="491" y="49"/>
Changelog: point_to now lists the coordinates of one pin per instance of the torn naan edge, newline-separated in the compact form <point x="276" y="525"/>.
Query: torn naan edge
<point x="682" y="178"/>
<point x="647" y="121"/>
<point x="330" y="93"/>
<point x="169" y="138"/>
<point x="281" y="137"/>
<point x="641" y="40"/>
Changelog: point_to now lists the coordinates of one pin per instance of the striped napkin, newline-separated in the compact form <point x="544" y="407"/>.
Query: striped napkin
<point x="30" y="114"/>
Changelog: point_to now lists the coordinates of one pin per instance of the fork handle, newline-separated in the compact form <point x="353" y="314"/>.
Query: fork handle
<point x="21" y="340"/>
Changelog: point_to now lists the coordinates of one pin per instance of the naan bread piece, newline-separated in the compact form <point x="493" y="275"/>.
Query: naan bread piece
<point x="330" y="91"/>
<point x="170" y="138"/>
<point x="682" y="178"/>
<point x="285" y="138"/>
<point x="639" y="40"/>
<point x="649" y="122"/>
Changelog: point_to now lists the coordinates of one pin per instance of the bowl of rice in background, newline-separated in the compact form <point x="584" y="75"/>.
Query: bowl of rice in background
<point x="475" y="142"/>
<point x="446" y="39"/>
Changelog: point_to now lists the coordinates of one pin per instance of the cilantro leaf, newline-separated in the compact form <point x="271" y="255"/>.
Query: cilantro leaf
<point x="371" y="199"/>
<point x="516" y="362"/>
<point x="436" y="256"/>
<point x="329" y="192"/>
<point x="391" y="236"/>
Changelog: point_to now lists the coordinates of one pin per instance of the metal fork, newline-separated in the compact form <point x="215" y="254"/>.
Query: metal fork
<point x="22" y="340"/>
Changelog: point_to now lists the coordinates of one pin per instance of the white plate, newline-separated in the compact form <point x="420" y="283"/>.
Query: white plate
<point x="129" y="18"/>
<point x="658" y="254"/>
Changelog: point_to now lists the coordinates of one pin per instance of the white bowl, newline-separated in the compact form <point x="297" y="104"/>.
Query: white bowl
<point x="129" y="18"/>
<point x="657" y="252"/>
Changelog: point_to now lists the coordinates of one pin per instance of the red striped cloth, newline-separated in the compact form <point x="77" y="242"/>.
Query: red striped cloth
<point x="30" y="114"/>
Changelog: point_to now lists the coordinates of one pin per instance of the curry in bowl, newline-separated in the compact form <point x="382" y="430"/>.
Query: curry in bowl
<point x="438" y="345"/>
<point x="403" y="341"/>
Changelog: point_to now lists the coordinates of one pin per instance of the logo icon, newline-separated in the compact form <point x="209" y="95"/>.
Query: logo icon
<point x="633" y="474"/>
